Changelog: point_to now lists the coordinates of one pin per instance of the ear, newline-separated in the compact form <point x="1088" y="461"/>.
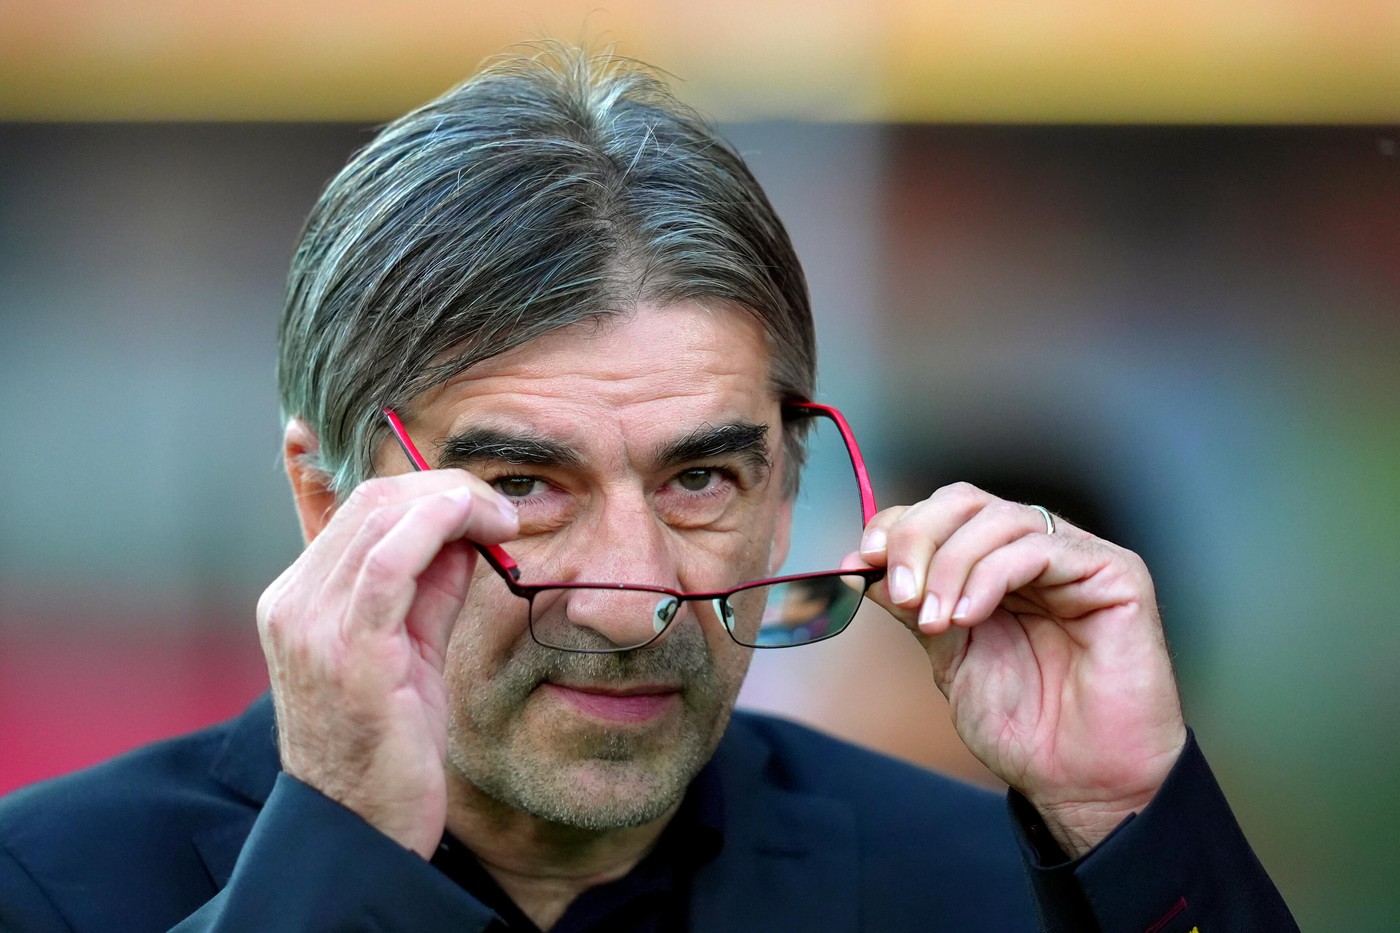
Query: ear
<point x="311" y="488"/>
<point x="782" y="537"/>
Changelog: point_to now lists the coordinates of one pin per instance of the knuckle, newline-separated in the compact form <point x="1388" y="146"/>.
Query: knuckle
<point x="278" y="632"/>
<point x="369" y="496"/>
<point x="1133" y="562"/>
<point x="887" y="518"/>
<point x="275" y="614"/>
<point x="379" y="566"/>
<point x="269" y="619"/>
<point x="963" y="495"/>
<point x="379" y="522"/>
<point x="271" y="600"/>
<point x="905" y="535"/>
<point x="893" y="514"/>
<point x="1006" y="511"/>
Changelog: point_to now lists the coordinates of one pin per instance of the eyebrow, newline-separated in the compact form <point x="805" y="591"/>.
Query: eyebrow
<point x="479" y="444"/>
<point x="749" y="441"/>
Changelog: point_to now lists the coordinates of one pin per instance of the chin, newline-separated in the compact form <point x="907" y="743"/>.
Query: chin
<point x="597" y="794"/>
<point x="593" y="779"/>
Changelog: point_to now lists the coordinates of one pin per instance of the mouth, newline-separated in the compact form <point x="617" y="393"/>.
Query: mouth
<point x="618" y="703"/>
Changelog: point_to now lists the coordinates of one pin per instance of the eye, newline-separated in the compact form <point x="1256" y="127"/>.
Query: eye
<point x="516" y="487"/>
<point x="696" y="480"/>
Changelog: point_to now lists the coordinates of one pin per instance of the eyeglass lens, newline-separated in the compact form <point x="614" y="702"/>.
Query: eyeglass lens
<point x="826" y="524"/>
<point x="765" y="615"/>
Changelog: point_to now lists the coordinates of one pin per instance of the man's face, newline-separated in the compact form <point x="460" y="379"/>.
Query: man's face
<point x="598" y="431"/>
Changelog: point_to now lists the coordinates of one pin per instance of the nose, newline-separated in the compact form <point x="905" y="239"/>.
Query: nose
<point x="612" y="619"/>
<point x="626" y="544"/>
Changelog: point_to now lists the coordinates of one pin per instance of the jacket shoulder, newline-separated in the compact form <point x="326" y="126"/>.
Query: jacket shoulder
<point x="124" y="832"/>
<point x="127" y="792"/>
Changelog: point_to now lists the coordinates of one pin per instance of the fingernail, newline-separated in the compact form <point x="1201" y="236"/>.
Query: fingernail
<point x="901" y="584"/>
<point x="873" y="542"/>
<point x="929" y="612"/>
<point x="961" y="610"/>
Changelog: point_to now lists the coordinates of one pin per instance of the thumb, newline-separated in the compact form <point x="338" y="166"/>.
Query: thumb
<point x="945" y="652"/>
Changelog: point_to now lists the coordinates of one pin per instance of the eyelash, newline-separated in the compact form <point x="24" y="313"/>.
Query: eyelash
<point x="495" y="481"/>
<point x="725" y="476"/>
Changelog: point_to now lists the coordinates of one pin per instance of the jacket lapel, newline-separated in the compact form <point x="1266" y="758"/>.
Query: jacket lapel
<point x="247" y="764"/>
<point x="789" y="860"/>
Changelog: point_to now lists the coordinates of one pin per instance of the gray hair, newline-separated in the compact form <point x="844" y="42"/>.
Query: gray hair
<point x="549" y="189"/>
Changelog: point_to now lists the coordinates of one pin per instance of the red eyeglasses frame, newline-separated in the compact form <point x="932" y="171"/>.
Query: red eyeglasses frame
<point x="509" y="571"/>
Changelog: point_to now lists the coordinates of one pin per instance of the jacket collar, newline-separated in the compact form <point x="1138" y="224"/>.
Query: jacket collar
<point x="246" y="764"/>
<point x="789" y="857"/>
<point x="787" y="862"/>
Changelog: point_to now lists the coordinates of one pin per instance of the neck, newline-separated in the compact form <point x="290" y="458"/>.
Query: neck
<point x="544" y="866"/>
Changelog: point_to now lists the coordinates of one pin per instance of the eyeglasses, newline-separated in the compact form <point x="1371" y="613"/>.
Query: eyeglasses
<point x="779" y="612"/>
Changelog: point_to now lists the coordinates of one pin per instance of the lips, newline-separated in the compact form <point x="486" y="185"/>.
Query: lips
<point x="615" y="702"/>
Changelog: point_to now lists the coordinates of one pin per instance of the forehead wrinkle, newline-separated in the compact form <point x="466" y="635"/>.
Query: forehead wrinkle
<point x="615" y="363"/>
<point x="620" y="389"/>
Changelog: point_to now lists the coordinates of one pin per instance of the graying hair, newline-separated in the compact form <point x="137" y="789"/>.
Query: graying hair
<point x="549" y="189"/>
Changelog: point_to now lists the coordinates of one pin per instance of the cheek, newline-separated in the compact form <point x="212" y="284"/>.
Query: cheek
<point x="765" y="545"/>
<point x="729" y="659"/>
<point x="781" y="536"/>
<point x="731" y="665"/>
<point x="488" y="630"/>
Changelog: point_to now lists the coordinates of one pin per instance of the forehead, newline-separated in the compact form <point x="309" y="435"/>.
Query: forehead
<point x="649" y="367"/>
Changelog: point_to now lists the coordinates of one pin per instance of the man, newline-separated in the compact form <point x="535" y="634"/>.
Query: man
<point x="576" y="300"/>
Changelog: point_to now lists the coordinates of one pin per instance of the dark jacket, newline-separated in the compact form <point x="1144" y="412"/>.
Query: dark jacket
<point x="204" y="833"/>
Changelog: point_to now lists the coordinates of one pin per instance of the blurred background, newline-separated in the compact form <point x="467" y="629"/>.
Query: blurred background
<point x="1138" y="262"/>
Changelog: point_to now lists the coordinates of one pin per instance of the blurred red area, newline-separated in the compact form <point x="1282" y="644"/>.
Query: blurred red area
<point x="73" y="698"/>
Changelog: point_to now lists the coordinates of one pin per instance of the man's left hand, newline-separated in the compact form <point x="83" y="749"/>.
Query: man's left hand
<point x="1049" y="649"/>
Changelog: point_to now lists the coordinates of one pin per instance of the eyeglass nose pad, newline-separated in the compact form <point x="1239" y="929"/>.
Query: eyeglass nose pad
<point x="664" y="612"/>
<point x="725" y="612"/>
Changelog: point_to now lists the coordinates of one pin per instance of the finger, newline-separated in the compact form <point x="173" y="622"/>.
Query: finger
<point x="855" y="560"/>
<point x="874" y="544"/>
<point x="996" y="526"/>
<point x="945" y="651"/>
<point x="466" y="508"/>
<point x="874" y="541"/>
<point x="920" y="532"/>
<point x="1060" y="579"/>
<point x="387" y="577"/>
<point x="386" y="492"/>
<point x="437" y="604"/>
<point x="878" y="592"/>
<point x="1008" y="569"/>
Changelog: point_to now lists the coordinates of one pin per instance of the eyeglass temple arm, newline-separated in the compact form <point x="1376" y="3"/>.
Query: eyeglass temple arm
<point x="499" y="560"/>
<point x="867" y="492"/>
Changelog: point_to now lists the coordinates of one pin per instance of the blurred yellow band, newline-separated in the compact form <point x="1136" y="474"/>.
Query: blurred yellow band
<point x="1078" y="61"/>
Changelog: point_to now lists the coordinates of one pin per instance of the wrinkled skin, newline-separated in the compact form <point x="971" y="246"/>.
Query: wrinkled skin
<point x="407" y="686"/>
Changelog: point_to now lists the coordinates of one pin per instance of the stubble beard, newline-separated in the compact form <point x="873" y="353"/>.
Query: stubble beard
<point x="587" y="775"/>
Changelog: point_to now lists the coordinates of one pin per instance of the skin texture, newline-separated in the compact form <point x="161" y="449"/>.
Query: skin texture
<point x="1048" y="647"/>
<point x="408" y="688"/>
<point x="407" y="685"/>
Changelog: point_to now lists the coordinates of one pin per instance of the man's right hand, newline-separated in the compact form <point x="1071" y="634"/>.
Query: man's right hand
<point x="355" y="633"/>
